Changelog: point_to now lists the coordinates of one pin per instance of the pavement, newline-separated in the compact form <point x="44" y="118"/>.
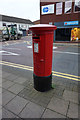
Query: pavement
<point x="21" y="100"/>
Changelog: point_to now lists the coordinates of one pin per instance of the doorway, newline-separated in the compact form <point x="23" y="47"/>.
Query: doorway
<point x="63" y="34"/>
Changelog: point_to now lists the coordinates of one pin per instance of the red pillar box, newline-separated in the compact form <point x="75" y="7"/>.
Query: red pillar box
<point x="42" y="36"/>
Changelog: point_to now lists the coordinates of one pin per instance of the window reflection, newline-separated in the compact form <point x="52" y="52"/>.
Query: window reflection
<point x="68" y="6"/>
<point x="58" y="8"/>
<point x="77" y="6"/>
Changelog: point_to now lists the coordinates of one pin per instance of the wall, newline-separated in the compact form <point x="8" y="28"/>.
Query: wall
<point x="22" y="25"/>
<point x="58" y="18"/>
<point x="37" y="22"/>
<point x="0" y="24"/>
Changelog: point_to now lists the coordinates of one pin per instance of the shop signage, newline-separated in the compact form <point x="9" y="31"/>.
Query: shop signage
<point x="71" y="23"/>
<point x="48" y="9"/>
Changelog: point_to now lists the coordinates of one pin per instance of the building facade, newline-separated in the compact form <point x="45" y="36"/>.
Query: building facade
<point x="36" y="22"/>
<point x="65" y="15"/>
<point x="22" y="24"/>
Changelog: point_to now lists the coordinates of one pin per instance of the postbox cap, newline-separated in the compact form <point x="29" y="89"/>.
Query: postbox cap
<point x="45" y="27"/>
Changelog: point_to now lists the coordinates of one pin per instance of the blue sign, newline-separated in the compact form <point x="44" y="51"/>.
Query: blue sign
<point x="48" y="9"/>
<point x="71" y="23"/>
<point x="45" y="9"/>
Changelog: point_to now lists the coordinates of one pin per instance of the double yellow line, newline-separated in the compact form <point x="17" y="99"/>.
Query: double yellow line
<point x="54" y="73"/>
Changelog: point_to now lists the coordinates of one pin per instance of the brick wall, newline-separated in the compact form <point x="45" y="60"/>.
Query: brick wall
<point x="58" y="18"/>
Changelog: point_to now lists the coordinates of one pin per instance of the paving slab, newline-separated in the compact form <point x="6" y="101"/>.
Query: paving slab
<point x="73" y="111"/>
<point x="7" y="114"/>
<point x="28" y="82"/>
<point x="58" y="105"/>
<point x="12" y="77"/>
<point x="0" y="84"/>
<point x="71" y="96"/>
<point x="75" y="88"/>
<point x="65" y="84"/>
<point x="3" y="80"/>
<point x="6" y="97"/>
<point x="0" y="113"/>
<point x="16" y="88"/>
<point x="18" y="118"/>
<point x="0" y="106"/>
<point x="25" y="93"/>
<point x="0" y="99"/>
<point x="5" y="74"/>
<point x="16" y="105"/>
<point x="3" y="90"/>
<point x="0" y="90"/>
<point x="7" y="84"/>
<point x="51" y="114"/>
<point x="0" y="76"/>
<point x="0" y="72"/>
<point x="58" y="91"/>
<point x="41" y="98"/>
<point x="32" y="110"/>
<point x="20" y="80"/>
<point x="0" y="80"/>
<point x="79" y="111"/>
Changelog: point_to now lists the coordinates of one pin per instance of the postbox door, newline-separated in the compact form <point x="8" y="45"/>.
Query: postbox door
<point x="38" y="55"/>
<point x="48" y="53"/>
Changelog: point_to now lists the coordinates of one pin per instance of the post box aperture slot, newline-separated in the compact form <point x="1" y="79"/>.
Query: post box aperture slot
<point x="36" y="37"/>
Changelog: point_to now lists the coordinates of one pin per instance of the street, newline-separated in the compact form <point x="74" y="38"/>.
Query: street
<point x="65" y="58"/>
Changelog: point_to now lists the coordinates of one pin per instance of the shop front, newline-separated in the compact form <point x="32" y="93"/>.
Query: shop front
<point x="67" y="31"/>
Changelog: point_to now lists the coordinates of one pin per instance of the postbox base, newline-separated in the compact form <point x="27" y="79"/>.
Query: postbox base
<point x="42" y="84"/>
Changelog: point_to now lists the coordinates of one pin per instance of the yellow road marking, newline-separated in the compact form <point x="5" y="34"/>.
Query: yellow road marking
<point x="32" y="68"/>
<point x="17" y="64"/>
<point x="66" y="77"/>
<point x="58" y="74"/>
<point x="66" y="74"/>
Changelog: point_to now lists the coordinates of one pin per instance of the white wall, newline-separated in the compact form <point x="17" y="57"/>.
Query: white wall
<point x="23" y="26"/>
<point x="0" y="24"/>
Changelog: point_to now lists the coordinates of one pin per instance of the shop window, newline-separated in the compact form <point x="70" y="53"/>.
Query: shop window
<point x="77" y="6"/>
<point x="68" y="6"/>
<point x="75" y="34"/>
<point x="58" y="8"/>
<point x="63" y="34"/>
